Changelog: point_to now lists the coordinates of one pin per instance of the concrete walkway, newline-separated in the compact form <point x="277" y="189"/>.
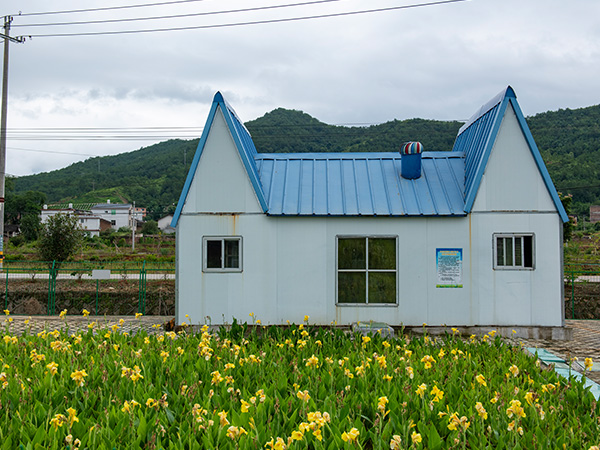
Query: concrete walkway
<point x="585" y="344"/>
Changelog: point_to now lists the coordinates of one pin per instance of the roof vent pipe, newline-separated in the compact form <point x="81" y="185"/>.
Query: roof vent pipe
<point x="410" y="161"/>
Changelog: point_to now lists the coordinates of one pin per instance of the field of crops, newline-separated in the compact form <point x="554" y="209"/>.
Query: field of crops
<point x="293" y="387"/>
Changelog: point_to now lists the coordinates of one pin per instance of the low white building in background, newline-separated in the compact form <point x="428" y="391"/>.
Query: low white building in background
<point x="119" y="215"/>
<point x="88" y="222"/>
<point x="164" y="224"/>
<point x="467" y="237"/>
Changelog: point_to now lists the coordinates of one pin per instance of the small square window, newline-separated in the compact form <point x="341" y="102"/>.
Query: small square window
<point x="222" y="254"/>
<point x="514" y="251"/>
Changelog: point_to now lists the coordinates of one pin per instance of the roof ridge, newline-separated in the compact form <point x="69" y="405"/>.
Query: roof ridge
<point x="486" y="107"/>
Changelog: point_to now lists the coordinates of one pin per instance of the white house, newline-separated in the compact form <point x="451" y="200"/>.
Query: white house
<point x="164" y="224"/>
<point x="118" y="214"/>
<point x="468" y="237"/>
<point x="88" y="222"/>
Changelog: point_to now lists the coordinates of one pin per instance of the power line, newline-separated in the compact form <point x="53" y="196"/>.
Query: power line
<point x="107" y="8"/>
<point x="178" y="16"/>
<point x="51" y="151"/>
<point x="257" y="22"/>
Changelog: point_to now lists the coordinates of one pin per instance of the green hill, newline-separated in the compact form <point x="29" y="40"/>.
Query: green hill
<point x="153" y="177"/>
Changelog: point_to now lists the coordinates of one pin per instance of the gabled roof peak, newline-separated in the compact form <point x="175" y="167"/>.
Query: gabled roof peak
<point x="508" y="92"/>
<point x="218" y="97"/>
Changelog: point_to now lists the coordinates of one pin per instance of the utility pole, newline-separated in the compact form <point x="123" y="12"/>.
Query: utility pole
<point x="7" y="39"/>
<point x="133" y="224"/>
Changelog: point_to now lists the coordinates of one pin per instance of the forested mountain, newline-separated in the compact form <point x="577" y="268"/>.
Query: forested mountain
<point x="153" y="177"/>
<point x="569" y="140"/>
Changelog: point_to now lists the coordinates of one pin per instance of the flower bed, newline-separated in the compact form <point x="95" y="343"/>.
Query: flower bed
<point x="277" y="388"/>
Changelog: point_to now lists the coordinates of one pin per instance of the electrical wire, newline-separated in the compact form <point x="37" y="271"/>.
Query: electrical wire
<point x="237" y="24"/>
<point x="177" y="16"/>
<point x="106" y="8"/>
<point x="52" y="151"/>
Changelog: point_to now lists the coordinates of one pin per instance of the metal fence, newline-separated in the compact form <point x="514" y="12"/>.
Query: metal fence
<point x="127" y="287"/>
<point x="101" y="287"/>
<point x="582" y="291"/>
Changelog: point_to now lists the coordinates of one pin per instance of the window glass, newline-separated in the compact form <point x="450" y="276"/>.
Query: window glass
<point x="500" y="252"/>
<point x="528" y="251"/>
<point x="382" y="287"/>
<point x="351" y="287"/>
<point x="508" y="249"/>
<point x="382" y="253"/>
<point x="213" y="254"/>
<point x="518" y="251"/>
<point x="232" y="254"/>
<point x="352" y="253"/>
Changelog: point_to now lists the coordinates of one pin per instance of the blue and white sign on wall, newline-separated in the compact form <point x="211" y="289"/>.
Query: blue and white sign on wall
<point x="448" y="263"/>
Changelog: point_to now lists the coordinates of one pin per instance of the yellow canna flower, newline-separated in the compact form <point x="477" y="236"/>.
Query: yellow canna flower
<point x="79" y="376"/>
<point x="245" y="406"/>
<point x="303" y="395"/>
<point x="297" y="435"/>
<point x="52" y="368"/>
<point x="416" y="437"/>
<point x="516" y="409"/>
<point x="481" y="410"/>
<point x="58" y="421"/>
<point x="72" y="416"/>
<point x="313" y="361"/>
<point x="396" y="442"/>
<point x="223" y="418"/>
<point x="350" y="436"/>
<point x="421" y="390"/>
<point x="588" y="363"/>
<point x="481" y="380"/>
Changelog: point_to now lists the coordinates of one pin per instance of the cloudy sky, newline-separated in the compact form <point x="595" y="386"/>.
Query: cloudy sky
<point x="76" y="96"/>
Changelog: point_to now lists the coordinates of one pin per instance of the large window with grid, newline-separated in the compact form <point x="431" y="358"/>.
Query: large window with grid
<point x="367" y="270"/>
<point x="222" y="254"/>
<point x="514" y="251"/>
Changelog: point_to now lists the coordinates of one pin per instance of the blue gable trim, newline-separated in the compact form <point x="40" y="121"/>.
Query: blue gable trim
<point x="243" y="143"/>
<point x="477" y="137"/>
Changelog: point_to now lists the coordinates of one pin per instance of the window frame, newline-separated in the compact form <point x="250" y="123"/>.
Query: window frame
<point x="513" y="237"/>
<point x="222" y="269"/>
<point x="366" y="270"/>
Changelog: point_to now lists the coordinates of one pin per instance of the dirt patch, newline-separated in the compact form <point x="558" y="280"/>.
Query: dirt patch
<point x="582" y="300"/>
<point x="110" y="297"/>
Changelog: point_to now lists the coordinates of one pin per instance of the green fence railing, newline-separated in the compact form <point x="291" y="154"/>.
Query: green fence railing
<point x="582" y="291"/>
<point x="101" y="287"/>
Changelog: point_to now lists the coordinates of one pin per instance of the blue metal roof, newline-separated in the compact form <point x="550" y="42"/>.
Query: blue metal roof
<point x="370" y="184"/>
<point x="476" y="138"/>
<point x="361" y="184"/>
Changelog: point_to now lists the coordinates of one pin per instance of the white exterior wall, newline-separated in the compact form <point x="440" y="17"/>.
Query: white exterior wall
<point x="518" y="297"/>
<point x="91" y="225"/>
<point x="121" y="216"/>
<point x="289" y="270"/>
